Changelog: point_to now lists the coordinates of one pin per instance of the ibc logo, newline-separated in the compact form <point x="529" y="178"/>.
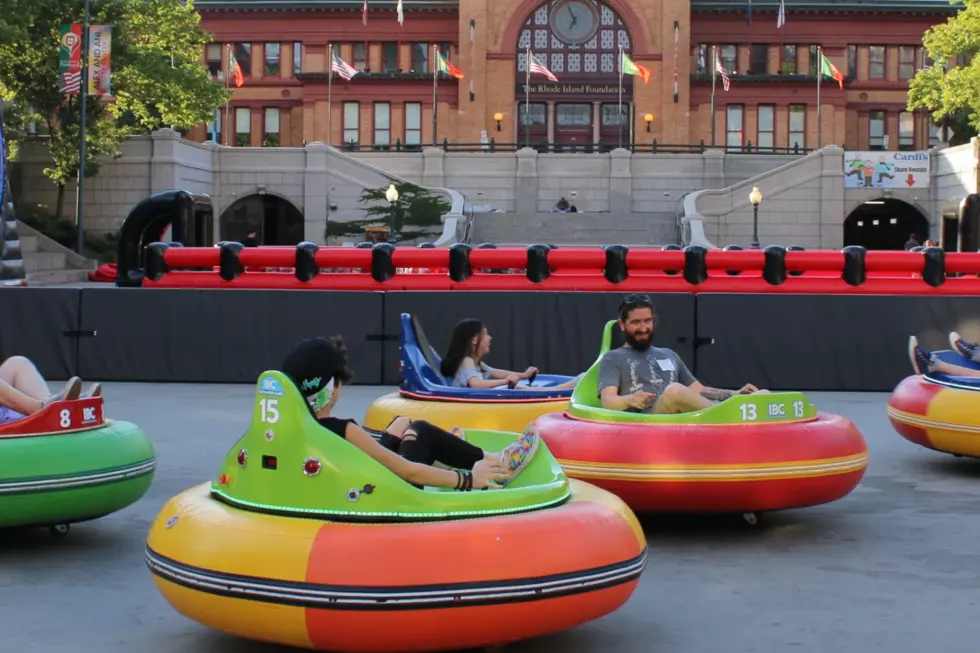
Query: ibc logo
<point x="88" y="414"/>
<point x="777" y="410"/>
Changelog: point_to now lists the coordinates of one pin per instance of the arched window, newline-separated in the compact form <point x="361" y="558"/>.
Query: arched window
<point x="594" y="59"/>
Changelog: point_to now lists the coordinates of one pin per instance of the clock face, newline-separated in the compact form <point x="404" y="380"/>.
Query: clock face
<point x="574" y="21"/>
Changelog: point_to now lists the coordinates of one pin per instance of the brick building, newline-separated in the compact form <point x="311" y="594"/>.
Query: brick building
<point x="283" y="48"/>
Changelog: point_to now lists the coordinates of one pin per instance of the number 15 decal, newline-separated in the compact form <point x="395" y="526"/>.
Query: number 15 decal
<point x="748" y="412"/>
<point x="270" y="410"/>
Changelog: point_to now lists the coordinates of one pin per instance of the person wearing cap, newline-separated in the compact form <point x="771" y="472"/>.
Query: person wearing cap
<point x="639" y="377"/>
<point x="319" y="368"/>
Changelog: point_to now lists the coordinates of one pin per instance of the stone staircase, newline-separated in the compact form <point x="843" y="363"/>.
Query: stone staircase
<point x="47" y="262"/>
<point x="574" y="228"/>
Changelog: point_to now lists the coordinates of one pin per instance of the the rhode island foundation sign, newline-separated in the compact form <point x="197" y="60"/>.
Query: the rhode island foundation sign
<point x="886" y="169"/>
<point x="563" y="89"/>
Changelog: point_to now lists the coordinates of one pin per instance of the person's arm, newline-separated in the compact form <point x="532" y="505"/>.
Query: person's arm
<point x="497" y="377"/>
<point x="609" y="389"/>
<point x="415" y="473"/>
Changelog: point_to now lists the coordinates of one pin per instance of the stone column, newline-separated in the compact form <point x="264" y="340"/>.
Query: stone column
<point x="713" y="172"/>
<point x="164" y="162"/>
<point x="551" y="122"/>
<point x="433" y="175"/>
<point x="315" y="184"/>
<point x="596" y="121"/>
<point x="526" y="183"/>
<point x="620" y="181"/>
<point x="832" y="197"/>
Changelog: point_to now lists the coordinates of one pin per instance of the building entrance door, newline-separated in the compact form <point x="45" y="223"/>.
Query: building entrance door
<point x="573" y="127"/>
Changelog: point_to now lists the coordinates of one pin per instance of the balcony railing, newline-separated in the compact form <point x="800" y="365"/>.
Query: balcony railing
<point x="652" y="147"/>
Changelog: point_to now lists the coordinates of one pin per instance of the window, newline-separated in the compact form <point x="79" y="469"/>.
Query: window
<point x="797" y="126"/>
<point x="852" y="60"/>
<point x="906" y="131"/>
<point x="420" y="57"/>
<point x="876" y="130"/>
<point x="573" y="114"/>
<point x="444" y="50"/>
<point x="214" y="127"/>
<point x="413" y="124"/>
<point x="759" y="59"/>
<point x="729" y="58"/>
<point x="382" y="124"/>
<point x="613" y="117"/>
<point x="814" y="60"/>
<point x="352" y="123"/>
<point x="787" y="60"/>
<point x="360" y="56"/>
<point x="733" y="125"/>
<point x="213" y="54"/>
<point x="389" y="57"/>
<point x="906" y="62"/>
<point x="243" y="127"/>
<point x="243" y="53"/>
<point x="876" y="62"/>
<point x="536" y="114"/>
<point x="935" y="134"/>
<point x="700" y="54"/>
<point x="271" y="137"/>
<point x="767" y="122"/>
<point x="297" y="58"/>
<point x="271" y="60"/>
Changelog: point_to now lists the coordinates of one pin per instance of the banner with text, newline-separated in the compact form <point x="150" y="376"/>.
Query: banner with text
<point x="886" y="169"/>
<point x="70" y="60"/>
<point x="99" y="56"/>
<point x="576" y="88"/>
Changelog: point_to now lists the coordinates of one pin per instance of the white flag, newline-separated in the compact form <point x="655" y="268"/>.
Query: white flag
<point x="401" y="13"/>
<point x="780" y="20"/>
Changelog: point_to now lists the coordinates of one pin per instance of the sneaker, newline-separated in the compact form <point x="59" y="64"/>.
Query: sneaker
<point x="923" y="361"/>
<point x="71" y="392"/>
<point x="967" y="350"/>
<point x="94" y="390"/>
<point x="516" y="457"/>
<point x="458" y="432"/>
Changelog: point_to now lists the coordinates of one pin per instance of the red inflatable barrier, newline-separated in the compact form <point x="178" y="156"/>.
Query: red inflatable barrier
<point x="612" y="269"/>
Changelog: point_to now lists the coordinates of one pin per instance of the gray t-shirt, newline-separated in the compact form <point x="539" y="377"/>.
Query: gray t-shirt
<point x="464" y="374"/>
<point x="652" y="370"/>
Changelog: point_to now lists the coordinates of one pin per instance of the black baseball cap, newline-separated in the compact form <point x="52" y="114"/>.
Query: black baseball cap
<point x="314" y="362"/>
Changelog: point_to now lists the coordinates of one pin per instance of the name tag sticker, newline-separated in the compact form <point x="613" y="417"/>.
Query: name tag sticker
<point x="666" y="364"/>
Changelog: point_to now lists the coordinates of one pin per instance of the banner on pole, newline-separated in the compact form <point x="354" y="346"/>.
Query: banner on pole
<point x="99" y="59"/>
<point x="70" y="60"/>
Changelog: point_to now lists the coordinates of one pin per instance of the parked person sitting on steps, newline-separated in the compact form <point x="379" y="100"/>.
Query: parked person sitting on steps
<point x="640" y="378"/>
<point x="319" y="368"/>
<point x="463" y="362"/>
<point x="561" y="206"/>
<point x="925" y="362"/>
<point x="23" y="391"/>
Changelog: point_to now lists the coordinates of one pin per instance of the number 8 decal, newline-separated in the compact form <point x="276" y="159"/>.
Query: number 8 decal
<point x="65" y="418"/>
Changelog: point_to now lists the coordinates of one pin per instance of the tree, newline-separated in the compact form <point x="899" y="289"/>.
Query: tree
<point x="157" y="76"/>
<point x="415" y="206"/>
<point x="949" y="92"/>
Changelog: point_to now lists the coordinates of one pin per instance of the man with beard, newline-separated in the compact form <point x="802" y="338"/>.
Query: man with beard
<point x="641" y="378"/>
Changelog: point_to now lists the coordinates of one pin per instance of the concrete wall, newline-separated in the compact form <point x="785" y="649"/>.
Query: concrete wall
<point x="954" y="174"/>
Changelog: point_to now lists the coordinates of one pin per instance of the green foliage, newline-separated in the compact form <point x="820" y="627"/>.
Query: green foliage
<point x="415" y="206"/>
<point x="952" y="95"/>
<point x="157" y="76"/>
<point x="103" y="248"/>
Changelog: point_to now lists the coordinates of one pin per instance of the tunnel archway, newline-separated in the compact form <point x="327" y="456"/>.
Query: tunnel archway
<point x="884" y="223"/>
<point x="274" y="220"/>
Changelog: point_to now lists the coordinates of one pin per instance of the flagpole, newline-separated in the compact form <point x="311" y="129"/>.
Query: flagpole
<point x="620" y="96"/>
<point x="330" y="95"/>
<point x="83" y="89"/>
<point x="435" y="98"/>
<point x="819" y="79"/>
<point x="527" y="101"/>
<point x="226" y="126"/>
<point x="714" y="73"/>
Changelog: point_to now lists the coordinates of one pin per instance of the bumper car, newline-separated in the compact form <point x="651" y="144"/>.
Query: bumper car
<point x="304" y="540"/>
<point x="425" y="394"/>
<point x="68" y="464"/>
<point x="748" y="454"/>
<point x="938" y="411"/>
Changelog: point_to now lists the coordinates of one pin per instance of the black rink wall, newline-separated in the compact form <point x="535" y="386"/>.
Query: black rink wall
<point x="781" y="342"/>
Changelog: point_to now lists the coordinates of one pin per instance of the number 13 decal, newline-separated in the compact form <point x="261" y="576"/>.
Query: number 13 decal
<point x="270" y="410"/>
<point x="748" y="412"/>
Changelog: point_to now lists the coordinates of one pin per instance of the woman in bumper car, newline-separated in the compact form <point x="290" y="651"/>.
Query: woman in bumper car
<point x="23" y="391"/>
<point x="409" y="448"/>
<point x="463" y="363"/>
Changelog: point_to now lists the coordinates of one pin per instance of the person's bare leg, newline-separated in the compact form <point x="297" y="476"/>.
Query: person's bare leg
<point x="23" y="376"/>
<point x="679" y="398"/>
<point x="14" y="399"/>
<point x="955" y="370"/>
<point x="925" y="362"/>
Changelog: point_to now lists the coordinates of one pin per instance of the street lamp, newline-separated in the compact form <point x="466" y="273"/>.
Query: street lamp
<point x="499" y="118"/>
<point x="756" y="198"/>
<point x="392" y="196"/>
<point x="648" y="118"/>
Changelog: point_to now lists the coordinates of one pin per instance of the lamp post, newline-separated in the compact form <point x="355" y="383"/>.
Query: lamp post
<point x="499" y="117"/>
<point x="756" y="198"/>
<point x="648" y="118"/>
<point x="392" y="196"/>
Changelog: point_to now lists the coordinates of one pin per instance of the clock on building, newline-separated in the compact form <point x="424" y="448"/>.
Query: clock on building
<point x="574" y="21"/>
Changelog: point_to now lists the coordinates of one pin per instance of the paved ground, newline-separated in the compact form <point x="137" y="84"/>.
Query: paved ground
<point x="892" y="568"/>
